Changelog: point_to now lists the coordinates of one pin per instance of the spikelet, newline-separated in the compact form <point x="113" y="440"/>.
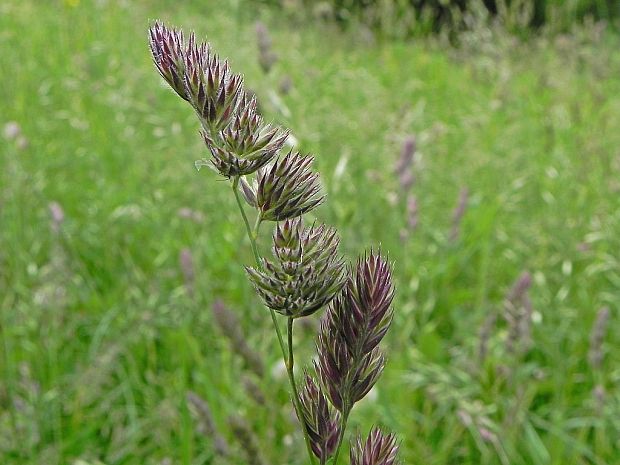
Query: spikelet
<point x="288" y="189"/>
<point x="595" y="355"/>
<point x="168" y="51"/>
<point x="246" y="144"/>
<point x="350" y="361"/>
<point x="212" y="89"/>
<point x="379" y="449"/>
<point x="321" y="421"/>
<point x="307" y="271"/>
<point x="197" y="75"/>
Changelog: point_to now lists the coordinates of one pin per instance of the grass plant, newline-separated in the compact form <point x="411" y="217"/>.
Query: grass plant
<point x="100" y="340"/>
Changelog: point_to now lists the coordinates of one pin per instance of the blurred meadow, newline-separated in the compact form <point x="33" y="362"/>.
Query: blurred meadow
<point x="129" y="333"/>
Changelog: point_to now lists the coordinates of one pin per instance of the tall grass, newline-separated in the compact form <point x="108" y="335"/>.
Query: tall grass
<point x="406" y="18"/>
<point x="101" y="340"/>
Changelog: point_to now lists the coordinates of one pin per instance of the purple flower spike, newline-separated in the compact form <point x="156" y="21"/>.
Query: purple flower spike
<point x="350" y="361"/>
<point x="322" y="423"/>
<point x="168" y="50"/>
<point x="288" y="188"/>
<point x="198" y="76"/>
<point x="307" y="271"/>
<point x="379" y="449"/>
<point x="246" y="144"/>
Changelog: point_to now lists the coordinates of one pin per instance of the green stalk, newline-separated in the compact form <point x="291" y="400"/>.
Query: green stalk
<point x="251" y="233"/>
<point x="288" y="358"/>
<point x="291" y="376"/>
<point x="343" y="427"/>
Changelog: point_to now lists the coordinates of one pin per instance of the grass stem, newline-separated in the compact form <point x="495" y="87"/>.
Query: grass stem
<point x="290" y="364"/>
<point x="288" y="357"/>
<point x="343" y="427"/>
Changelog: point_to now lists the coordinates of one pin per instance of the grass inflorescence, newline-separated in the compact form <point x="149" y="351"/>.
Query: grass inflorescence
<point x="103" y="334"/>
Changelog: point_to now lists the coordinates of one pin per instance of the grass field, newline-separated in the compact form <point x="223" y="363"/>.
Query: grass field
<point x="103" y="332"/>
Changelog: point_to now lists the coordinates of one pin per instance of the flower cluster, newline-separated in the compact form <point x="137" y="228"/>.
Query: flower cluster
<point x="379" y="449"/>
<point x="246" y="144"/>
<point x="168" y="50"/>
<point x="237" y="137"/>
<point x="287" y="189"/>
<point x="322" y="423"/>
<point x="307" y="273"/>
<point x="350" y="361"/>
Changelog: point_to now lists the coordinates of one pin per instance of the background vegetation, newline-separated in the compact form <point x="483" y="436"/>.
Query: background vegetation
<point x="403" y="18"/>
<point x="113" y="249"/>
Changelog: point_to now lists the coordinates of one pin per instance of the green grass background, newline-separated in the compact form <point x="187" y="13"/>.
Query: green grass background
<point x="100" y="341"/>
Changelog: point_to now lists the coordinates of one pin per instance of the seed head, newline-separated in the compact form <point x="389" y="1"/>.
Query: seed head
<point x="404" y="165"/>
<point x="458" y="213"/>
<point x="186" y="263"/>
<point x="212" y="89"/>
<point x="207" y="423"/>
<point x="350" y="361"/>
<point x="307" y="271"/>
<point x="288" y="188"/>
<point x="379" y="449"/>
<point x="246" y="144"/>
<point x="518" y="315"/>
<point x="197" y="75"/>
<point x="322" y="422"/>
<point x="168" y="50"/>
<point x="253" y="390"/>
<point x="266" y="57"/>
<point x="232" y="328"/>
<point x="245" y="436"/>
<point x="595" y="356"/>
<point x="520" y="288"/>
<point x="248" y="191"/>
<point x="412" y="217"/>
<point x="346" y="379"/>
